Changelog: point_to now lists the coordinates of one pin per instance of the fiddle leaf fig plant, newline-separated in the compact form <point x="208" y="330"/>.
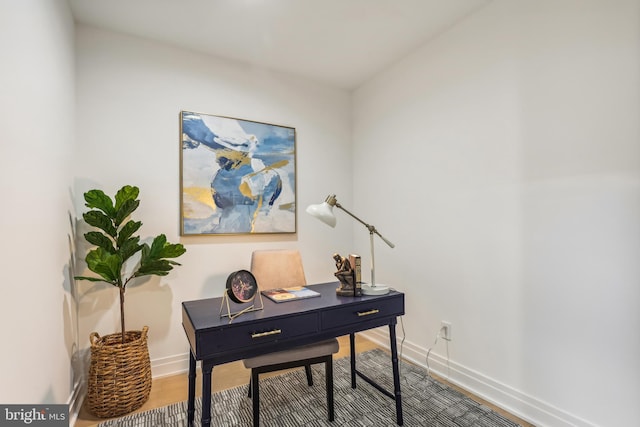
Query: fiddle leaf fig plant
<point x="116" y="243"/>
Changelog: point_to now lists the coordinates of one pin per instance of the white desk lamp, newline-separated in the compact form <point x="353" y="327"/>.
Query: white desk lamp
<point x="324" y="212"/>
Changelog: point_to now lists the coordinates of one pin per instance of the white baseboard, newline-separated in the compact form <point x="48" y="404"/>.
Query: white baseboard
<point x="172" y="365"/>
<point x="515" y="402"/>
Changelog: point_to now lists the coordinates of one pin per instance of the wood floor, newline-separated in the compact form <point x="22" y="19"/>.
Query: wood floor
<point x="172" y="389"/>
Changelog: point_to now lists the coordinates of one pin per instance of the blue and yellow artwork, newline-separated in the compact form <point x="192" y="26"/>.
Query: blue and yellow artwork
<point x="238" y="176"/>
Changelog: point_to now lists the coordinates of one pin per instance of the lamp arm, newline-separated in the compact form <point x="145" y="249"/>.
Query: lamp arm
<point x="370" y="227"/>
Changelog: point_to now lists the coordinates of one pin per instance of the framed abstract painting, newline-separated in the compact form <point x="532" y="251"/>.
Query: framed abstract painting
<point x="236" y="176"/>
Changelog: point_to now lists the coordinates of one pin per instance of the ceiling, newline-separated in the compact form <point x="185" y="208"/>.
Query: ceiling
<point x="339" y="42"/>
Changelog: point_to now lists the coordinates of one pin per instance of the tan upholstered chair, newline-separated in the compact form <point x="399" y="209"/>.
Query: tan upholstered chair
<point x="281" y="269"/>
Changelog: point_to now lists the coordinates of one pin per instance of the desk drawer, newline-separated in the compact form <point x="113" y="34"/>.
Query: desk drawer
<point x="268" y="331"/>
<point x="362" y="312"/>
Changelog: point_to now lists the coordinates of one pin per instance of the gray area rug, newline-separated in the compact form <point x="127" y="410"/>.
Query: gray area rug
<point x="287" y="401"/>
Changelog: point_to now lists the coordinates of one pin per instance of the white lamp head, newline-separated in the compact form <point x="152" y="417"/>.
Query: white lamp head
<point x="324" y="211"/>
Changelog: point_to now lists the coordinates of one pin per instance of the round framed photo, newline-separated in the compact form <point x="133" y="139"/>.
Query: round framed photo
<point x="241" y="286"/>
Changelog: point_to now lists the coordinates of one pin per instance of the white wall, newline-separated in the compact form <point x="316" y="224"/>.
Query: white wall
<point x="37" y="307"/>
<point x="511" y="151"/>
<point x="129" y="95"/>
<point x="509" y="143"/>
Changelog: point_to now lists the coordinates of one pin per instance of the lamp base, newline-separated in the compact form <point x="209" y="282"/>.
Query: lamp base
<point x="367" y="289"/>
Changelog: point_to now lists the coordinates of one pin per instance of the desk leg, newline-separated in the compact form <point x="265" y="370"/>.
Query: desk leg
<point x="352" y="347"/>
<point x="396" y="371"/>
<point x="206" y="393"/>
<point x="192" y="389"/>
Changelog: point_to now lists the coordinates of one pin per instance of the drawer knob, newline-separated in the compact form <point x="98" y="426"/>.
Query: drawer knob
<point x="366" y="313"/>
<point x="265" y="334"/>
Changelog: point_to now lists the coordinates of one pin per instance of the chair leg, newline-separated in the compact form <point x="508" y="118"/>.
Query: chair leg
<point x="254" y="384"/>
<point x="328" y="369"/>
<point x="255" y="391"/>
<point x="307" y="370"/>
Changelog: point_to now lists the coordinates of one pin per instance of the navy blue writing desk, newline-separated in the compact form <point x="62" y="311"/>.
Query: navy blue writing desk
<point x="280" y="326"/>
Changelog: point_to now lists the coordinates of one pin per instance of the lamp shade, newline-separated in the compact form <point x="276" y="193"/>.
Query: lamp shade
<point x="324" y="212"/>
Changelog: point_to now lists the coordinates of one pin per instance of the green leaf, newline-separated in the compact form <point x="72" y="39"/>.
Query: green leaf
<point x="172" y="250"/>
<point x="101" y="221"/>
<point x="127" y="231"/>
<point x="129" y="248"/>
<point x="153" y="257"/>
<point x="160" y="267"/>
<point x="99" y="239"/>
<point x="97" y="199"/>
<point x="157" y="245"/>
<point x="160" y="248"/>
<point x="126" y="193"/>
<point x="106" y="265"/>
<point x="127" y="207"/>
<point x="91" y="279"/>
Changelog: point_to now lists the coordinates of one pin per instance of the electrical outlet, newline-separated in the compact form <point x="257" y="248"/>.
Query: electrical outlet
<point x="445" y="330"/>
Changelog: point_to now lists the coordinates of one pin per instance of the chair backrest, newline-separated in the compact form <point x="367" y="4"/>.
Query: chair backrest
<point x="279" y="268"/>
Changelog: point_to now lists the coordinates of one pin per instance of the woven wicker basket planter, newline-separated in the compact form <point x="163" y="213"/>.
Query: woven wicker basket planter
<point x="119" y="374"/>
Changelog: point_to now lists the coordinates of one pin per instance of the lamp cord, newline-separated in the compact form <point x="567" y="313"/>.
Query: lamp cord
<point x="431" y="348"/>
<point x="400" y="360"/>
